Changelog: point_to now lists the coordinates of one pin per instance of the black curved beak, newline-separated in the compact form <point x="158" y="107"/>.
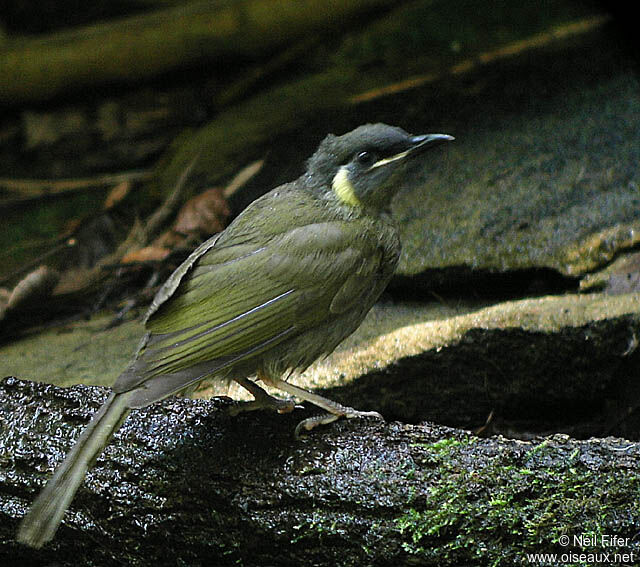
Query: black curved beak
<point x="426" y="141"/>
<point x="421" y="143"/>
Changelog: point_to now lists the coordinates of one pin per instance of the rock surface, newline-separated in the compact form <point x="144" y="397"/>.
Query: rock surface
<point x="554" y="187"/>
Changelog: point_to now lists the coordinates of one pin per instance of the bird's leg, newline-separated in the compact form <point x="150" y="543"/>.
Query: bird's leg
<point x="262" y="400"/>
<point x="334" y="409"/>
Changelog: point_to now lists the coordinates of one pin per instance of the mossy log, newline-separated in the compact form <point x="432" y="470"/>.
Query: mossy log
<point x="184" y="483"/>
<point x="144" y="46"/>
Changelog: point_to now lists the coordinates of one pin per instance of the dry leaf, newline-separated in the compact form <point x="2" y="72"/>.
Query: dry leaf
<point x="119" y="192"/>
<point x="147" y="254"/>
<point x="33" y="286"/>
<point x="204" y="214"/>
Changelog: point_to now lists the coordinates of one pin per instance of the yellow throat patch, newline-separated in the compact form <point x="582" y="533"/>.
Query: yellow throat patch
<point x="343" y="188"/>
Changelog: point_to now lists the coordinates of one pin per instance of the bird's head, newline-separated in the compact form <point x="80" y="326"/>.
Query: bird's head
<point x="362" y="167"/>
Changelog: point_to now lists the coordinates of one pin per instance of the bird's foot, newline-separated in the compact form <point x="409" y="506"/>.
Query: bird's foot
<point x="262" y="400"/>
<point x="334" y="409"/>
<point x="323" y="419"/>
<point x="281" y="406"/>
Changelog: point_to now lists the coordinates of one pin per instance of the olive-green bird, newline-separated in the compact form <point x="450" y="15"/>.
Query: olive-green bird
<point x="284" y="284"/>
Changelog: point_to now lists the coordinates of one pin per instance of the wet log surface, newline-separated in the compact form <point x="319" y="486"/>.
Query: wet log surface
<point x="185" y="483"/>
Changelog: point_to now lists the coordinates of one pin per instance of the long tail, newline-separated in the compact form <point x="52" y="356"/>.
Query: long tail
<point x="44" y="517"/>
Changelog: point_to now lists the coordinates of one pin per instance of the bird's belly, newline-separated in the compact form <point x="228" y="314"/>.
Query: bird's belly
<point x="299" y="352"/>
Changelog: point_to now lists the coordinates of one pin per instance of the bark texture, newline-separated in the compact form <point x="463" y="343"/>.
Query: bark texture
<point x="183" y="483"/>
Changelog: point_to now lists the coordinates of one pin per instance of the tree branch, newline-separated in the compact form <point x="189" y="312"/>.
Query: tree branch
<point x="144" y="46"/>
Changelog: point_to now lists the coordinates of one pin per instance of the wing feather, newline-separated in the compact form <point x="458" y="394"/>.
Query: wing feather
<point x="173" y="382"/>
<point x="242" y="298"/>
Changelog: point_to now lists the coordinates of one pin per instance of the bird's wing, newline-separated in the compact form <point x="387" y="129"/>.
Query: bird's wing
<point x="242" y="298"/>
<point x="173" y="281"/>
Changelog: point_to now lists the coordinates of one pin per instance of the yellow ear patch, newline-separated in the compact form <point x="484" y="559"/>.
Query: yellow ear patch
<point x="343" y="188"/>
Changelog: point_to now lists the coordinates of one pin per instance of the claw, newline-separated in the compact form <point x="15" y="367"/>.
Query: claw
<point x="323" y="419"/>
<point x="281" y="406"/>
<point x="355" y="413"/>
<point x="262" y="400"/>
<point x="311" y="422"/>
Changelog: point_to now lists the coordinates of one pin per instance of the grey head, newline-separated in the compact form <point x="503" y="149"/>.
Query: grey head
<point x="363" y="167"/>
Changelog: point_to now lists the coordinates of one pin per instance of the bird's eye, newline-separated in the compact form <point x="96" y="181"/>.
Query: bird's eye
<point x="365" y="158"/>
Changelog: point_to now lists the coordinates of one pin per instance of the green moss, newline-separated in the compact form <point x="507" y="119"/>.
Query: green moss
<point x="317" y="527"/>
<point x="444" y="446"/>
<point x="502" y="511"/>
